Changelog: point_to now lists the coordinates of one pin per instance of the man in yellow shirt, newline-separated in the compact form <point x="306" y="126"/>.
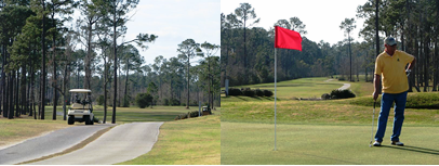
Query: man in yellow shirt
<point x="390" y="66"/>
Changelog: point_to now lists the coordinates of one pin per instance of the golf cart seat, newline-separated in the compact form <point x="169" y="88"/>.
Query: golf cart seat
<point x="76" y="106"/>
<point x="80" y="106"/>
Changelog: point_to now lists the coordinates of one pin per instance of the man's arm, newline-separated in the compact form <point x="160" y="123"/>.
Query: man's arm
<point x="377" y="88"/>
<point x="412" y="64"/>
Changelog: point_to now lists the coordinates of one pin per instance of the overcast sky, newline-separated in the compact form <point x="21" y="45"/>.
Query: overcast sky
<point x="173" y="21"/>
<point x="321" y="17"/>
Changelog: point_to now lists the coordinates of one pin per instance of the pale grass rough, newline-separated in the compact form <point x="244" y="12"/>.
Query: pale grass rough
<point x="194" y="141"/>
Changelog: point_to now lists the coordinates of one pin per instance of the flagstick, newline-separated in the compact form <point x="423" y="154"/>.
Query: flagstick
<point x="275" y="80"/>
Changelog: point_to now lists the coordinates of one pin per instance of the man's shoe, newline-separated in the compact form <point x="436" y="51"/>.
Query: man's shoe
<point x="397" y="143"/>
<point x="376" y="143"/>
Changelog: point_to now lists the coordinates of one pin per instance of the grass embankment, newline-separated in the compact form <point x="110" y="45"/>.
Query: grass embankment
<point x="325" y="132"/>
<point x="194" y="141"/>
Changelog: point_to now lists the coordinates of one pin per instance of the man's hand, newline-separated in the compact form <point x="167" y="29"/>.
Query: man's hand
<point x="375" y="95"/>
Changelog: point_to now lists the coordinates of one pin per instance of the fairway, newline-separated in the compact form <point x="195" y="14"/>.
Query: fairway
<point x="304" y="87"/>
<point x="253" y="143"/>
<point x="324" y="132"/>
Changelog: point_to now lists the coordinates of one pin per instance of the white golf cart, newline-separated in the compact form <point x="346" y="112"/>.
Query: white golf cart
<point x="81" y="110"/>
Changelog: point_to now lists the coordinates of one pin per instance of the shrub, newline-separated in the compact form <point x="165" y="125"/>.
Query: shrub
<point x="268" y="93"/>
<point x="342" y="94"/>
<point x="166" y="102"/>
<point x="248" y="92"/>
<point x="259" y="92"/>
<point x="193" y="114"/>
<point x="126" y="102"/>
<point x="185" y="116"/>
<point x="342" y="79"/>
<point x="234" y="92"/>
<point x="326" y="96"/>
<point x="175" y="102"/>
<point x="100" y="100"/>
<point x="144" y="100"/>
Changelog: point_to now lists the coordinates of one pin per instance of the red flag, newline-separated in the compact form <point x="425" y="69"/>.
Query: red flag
<point x="288" y="39"/>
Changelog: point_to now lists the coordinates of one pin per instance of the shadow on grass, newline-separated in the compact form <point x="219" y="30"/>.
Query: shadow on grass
<point x="242" y="98"/>
<point x="413" y="149"/>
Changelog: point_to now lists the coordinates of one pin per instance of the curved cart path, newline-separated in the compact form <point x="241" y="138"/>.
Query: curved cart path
<point x="119" y="144"/>
<point x="50" y="143"/>
<point x="345" y="85"/>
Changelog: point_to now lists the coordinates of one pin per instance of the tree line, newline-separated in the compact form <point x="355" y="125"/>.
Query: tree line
<point x="41" y="60"/>
<point x="413" y="23"/>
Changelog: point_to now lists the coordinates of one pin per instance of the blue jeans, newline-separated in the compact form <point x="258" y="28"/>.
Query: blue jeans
<point x="386" y="102"/>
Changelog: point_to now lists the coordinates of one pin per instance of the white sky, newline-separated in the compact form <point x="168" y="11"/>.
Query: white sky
<point x="175" y="21"/>
<point x="321" y="17"/>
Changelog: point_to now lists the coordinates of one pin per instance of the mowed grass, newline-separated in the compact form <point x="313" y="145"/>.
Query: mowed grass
<point x="325" y="132"/>
<point x="136" y="114"/>
<point x="194" y="141"/>
<point x="304" y="88"/>
<point x="253" y="143"/>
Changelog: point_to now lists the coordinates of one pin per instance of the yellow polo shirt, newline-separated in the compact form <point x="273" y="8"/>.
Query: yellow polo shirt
<point x="392" y="71"/>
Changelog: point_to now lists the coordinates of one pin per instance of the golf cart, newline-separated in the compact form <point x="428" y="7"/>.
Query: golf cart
<point x="81" y="110"/>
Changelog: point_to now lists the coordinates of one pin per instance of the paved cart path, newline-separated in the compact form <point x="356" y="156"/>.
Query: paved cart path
<point x="47" y="144"/>
<point x="121" y="143"/>
<point x="345" y="85"/>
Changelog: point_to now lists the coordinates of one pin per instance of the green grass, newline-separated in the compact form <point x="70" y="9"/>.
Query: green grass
<point x="135" y="114"/>
<point x="195" y="141"/>
<point x="253" y="143"/>
<point x="325" y="132"/>
<point x="287" y="90"/>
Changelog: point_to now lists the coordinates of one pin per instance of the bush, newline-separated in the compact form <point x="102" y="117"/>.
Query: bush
<point x="259" y="92"/>
<point x="248" y="92"/>
<point x="100" y="100"/>
<point x="126" y="102"/>
<point x="144" y="100"/>
<point x="234" y="92"/>
<point x="342" y="94"/>
<point x="342" y="79"/>
<point x="175" y="102"/>
<point x="185" y="116"/>
<point x="326" y="96"/>
<point x="166" y="102"/>
<point x="268" y="93"/>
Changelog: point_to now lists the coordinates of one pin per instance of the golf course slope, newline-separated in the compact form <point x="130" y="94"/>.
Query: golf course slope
<point x="326" y="131"/>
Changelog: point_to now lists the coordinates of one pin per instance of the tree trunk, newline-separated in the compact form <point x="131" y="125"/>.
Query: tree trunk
<point x="11" y="95"/>
<point x="120" y="85"/>
<point x="54" y="81"/>
<point x="43" y="63"/>
<point x="105" y="87"/>
<point x="24" y="90"/>
<point x="115" y="70"/>
<point x="125" y="95"/>
<point x="87" y="62"/>
<point x="31" y="90"/>
<point x="3" y="82"/>
<point x="188" y="91"/>
<point x="16" y="102"/>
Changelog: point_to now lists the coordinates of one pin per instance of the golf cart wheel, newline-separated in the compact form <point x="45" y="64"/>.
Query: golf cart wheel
<point x="87" y="119"/>
<point x="70" y="120"/>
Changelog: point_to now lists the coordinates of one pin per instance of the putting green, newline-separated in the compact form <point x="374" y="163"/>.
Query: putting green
<point x="253" y="143"/>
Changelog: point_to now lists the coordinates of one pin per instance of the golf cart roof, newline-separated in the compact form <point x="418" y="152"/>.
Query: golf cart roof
<point x="80" y="90"/>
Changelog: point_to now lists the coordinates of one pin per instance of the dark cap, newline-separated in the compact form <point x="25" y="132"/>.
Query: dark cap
<point x="390" y="41"/>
